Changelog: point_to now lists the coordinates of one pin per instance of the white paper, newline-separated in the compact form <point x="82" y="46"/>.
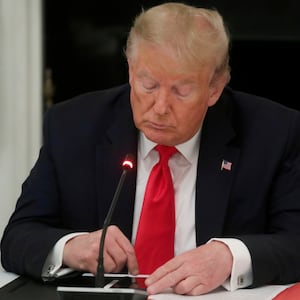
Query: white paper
<point x="262" y="293"/>
<point x="6" y="278"/>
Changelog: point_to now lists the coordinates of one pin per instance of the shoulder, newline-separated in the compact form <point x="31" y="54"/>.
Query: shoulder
<point x="252" y="105"/>
<point x="88" y="114"/>
<point x="90" y="106"/>
<point x="253" y="110"/>
<point x="256" y="119"/>
<point x="92" y="100"/>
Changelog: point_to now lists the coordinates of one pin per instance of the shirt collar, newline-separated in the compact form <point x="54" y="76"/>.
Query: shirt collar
<point x="188" y="149"/>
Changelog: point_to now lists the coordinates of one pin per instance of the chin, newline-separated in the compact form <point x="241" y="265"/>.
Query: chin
<point x="159" y="138"/>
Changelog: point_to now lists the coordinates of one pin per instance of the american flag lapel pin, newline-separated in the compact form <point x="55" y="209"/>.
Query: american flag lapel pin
<point x="226" y="165"/>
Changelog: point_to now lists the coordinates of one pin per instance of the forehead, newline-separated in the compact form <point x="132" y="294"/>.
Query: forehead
<point x="163" y="56"/>
<point x="152" y="59"/>
<point x="180" y="80"/>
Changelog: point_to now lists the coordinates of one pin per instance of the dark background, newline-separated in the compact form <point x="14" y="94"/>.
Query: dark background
<point x="84" y="40"/>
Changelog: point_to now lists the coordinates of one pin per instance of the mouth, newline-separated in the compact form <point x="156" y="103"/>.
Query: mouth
<point x="158" y="126"/>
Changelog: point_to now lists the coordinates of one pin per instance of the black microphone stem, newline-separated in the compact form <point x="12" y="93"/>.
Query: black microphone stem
<point x="99" y="280"/>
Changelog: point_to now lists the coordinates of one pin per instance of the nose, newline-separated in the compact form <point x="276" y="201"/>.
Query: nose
<point x="161" y="104"/>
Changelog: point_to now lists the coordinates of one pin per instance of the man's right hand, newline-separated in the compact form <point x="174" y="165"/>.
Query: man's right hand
<point x="81" y="252"/>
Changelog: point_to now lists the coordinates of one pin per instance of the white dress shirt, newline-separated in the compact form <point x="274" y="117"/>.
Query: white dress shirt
<point x="183" y="167"/>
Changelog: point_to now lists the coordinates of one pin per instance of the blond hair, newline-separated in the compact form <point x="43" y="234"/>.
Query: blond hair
<point x="197" y="35"/>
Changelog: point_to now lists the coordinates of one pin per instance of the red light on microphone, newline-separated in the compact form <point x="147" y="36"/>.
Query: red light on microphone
<point x="127" y="163"/>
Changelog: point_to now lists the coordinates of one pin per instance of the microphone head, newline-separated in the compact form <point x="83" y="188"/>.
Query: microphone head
<point x="128" y="162"/>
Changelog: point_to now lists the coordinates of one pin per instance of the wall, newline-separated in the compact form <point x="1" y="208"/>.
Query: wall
<point x="84" y="45"/>
<point x="20" y="97"/>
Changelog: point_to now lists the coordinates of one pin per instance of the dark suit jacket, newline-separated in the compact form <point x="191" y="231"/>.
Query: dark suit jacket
<point x="85" y="140"/>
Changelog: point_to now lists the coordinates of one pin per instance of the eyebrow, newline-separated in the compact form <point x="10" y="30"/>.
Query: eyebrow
<point x="180" y="82"/>
<point x="143" y="73"/>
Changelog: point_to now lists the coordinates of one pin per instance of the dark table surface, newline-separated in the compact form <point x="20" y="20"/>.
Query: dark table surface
<point x="24" y="288"/>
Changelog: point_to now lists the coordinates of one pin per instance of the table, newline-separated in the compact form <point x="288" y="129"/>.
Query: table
<point x="13" y="287"/>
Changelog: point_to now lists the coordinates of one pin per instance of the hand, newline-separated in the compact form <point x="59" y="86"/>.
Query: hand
<point x="81" y="252"/>
<point x="194" y="272"/>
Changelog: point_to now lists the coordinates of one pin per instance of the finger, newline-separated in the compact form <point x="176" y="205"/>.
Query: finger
<point x="162" y="271"/>
<point x="116" y="250"/>
<point x="129" y="253"/>
<point x="118" y="257"/>
<point x="187" y="285"/>
<point x="162" y="283"/>
<point x="132" y="263"/>
<point x="109" y="263"/>
<point x="183" y="288"/>
<point x="199" y="290"/>
<point x="122" y="251"/>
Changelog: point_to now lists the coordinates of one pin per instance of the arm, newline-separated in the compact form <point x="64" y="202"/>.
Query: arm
<point x="276" y="254"/>
<point x="69" y="189"/>
<point x="71" y="253"/>
<point x="58" y="198"/>
<point x="35" y="225"/>
<point x="273" y="235"/>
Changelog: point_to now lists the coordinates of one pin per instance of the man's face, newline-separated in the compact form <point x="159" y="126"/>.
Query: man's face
<point x="168" y="102"/>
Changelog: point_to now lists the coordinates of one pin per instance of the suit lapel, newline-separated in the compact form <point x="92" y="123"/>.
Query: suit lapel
<point x="119" y="140"/>
<point x="213" y="184"/>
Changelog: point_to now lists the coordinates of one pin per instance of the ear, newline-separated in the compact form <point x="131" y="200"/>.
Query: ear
<point x="216" y="88"/>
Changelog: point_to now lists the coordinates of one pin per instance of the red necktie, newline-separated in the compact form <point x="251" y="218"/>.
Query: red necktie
<point x="290" y="293"/>
<point x="154" y="244"/>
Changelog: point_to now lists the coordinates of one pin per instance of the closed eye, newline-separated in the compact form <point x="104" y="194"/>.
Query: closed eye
<point x="149" y="85"/>
<point x="183" y="91"/>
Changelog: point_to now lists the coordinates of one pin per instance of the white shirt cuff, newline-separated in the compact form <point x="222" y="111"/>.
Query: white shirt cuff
<point x="53" y="265"/>
<point x="241" y="273"/>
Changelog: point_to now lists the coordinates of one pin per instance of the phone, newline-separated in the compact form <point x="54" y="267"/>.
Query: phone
<point x="128" y="282"/>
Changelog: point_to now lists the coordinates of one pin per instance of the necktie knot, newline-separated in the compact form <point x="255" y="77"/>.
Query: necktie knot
<point x="165" y="152"/>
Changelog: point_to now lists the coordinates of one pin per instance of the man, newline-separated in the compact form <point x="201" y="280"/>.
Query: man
<point x="236" y="172"/>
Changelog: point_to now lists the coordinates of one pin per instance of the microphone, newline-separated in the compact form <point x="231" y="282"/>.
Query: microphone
<point x="120" y="287"/>
<point x="126" y="165"/>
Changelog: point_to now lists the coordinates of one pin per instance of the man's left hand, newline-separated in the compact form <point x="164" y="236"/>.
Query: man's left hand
<point x="194" y="272"/>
